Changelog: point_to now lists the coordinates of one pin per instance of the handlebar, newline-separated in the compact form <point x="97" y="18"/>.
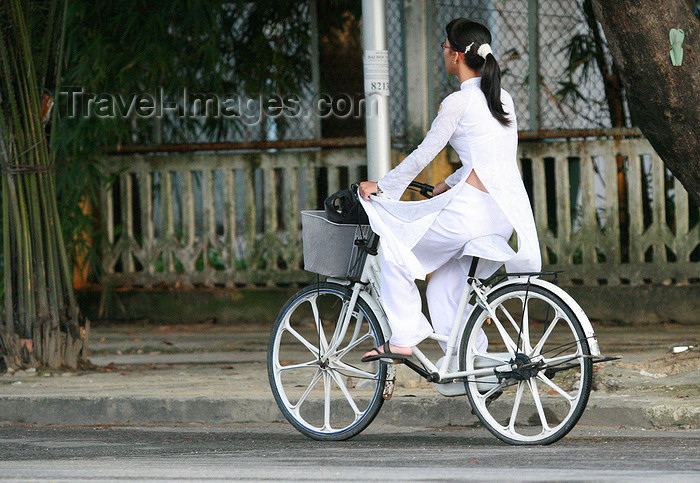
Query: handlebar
<point x="422" y="188"/>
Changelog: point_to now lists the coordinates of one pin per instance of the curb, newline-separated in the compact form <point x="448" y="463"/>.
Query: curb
<point x="83" y="411"/>
<point x="606" y="410"/>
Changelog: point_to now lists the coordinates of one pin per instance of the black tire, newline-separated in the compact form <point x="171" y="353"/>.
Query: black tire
<point x="295" y="365"/>
<point x="557" y="392"/>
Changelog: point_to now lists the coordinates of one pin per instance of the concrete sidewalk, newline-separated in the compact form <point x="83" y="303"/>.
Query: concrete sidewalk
<point x="211" y="373"/>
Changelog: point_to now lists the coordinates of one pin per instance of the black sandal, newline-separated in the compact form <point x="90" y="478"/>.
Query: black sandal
<point x="387" y="354"/>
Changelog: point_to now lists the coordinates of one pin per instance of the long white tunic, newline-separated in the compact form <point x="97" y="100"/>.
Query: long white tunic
<point x="483" y="145"/>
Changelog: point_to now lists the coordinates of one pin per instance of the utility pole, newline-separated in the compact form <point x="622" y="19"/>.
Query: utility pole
<point x="376" y="76"/>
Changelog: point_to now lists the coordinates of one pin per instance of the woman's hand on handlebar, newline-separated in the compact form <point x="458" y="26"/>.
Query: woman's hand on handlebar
<point x="441" y="187"/>
<point x="368" y="188"/>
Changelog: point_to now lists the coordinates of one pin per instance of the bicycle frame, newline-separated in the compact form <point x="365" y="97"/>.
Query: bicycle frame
<point x="369" y="288"/>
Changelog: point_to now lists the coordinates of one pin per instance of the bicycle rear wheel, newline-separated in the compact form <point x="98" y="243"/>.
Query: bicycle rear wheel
<point x="314" y="365"/>
<point x="537" y="369"/>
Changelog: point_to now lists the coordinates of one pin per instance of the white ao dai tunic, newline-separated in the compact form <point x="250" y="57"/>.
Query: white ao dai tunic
<point x="443" y="233"/>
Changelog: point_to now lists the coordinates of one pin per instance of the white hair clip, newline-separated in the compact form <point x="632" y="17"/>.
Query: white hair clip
<point x="484" y="50"/>
<point x="468" y="47"/>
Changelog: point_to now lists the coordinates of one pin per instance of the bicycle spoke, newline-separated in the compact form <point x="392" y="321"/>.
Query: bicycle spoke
<point x="493" y="390"/>
<point x="545" y="336"/>
<point x="509" y="317"/>
<point x="312" y="363"/>
<point x="339" y="323"/>
<point x="358" y="326"/>
<point x="493" y="357"/>
<point x="314" y="381"/>
<point x="525" y="331"/>
<point x="341" y="327"/>
<point x="312" y="348"/>
<point x="555" y="387"/>
<point x="507" y="341"/>
<point x="340" y="365"/>
<point x="343" y="388"/>
<point x="340" y="354"/>
<point x="516" y="406"/>
<point x="538" y="404"/>
<point x="327" y="401"/>
<point x="323" y="342"/>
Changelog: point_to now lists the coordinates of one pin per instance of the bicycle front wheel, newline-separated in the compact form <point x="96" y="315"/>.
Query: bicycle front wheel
<point x="314" y="365"/>
<point x="535" y="375"/>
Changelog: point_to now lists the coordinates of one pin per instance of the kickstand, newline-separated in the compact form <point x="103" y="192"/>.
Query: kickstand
<point x="597" y="359"/>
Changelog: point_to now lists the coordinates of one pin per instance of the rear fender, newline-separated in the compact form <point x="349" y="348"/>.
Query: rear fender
<point x="568" y="300"/>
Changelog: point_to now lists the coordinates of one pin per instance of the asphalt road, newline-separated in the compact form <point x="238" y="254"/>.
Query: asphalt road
<point x="277" y="452"/>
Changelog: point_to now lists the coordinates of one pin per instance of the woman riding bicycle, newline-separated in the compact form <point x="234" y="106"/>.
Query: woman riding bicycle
<point x="477" y="209"/>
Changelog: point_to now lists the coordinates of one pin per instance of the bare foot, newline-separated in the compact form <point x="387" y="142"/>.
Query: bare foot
<point x="407" y="351"/>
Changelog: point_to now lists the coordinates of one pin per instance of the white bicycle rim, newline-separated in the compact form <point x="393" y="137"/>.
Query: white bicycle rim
<point x="315" y="371"/>
<point x="529" y="407"/>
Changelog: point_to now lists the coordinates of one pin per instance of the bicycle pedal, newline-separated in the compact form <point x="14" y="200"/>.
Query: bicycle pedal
<point x="389" y="384"/>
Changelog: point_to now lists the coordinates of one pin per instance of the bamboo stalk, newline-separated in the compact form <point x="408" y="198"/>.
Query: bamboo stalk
<point x="55" y="297"/>
<point x="25" y="72"/>
<point x="28" y="308"/>
<point x="37" y="274"/>
<point x="7" y="249"/>
<point x="50" y="193"/>
<point x="39" y="251"/>
<point x="43" y="63"/>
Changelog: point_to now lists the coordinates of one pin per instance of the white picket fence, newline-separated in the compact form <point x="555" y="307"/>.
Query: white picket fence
<point x="232" y="218"/>
<point x="660" y="247"/>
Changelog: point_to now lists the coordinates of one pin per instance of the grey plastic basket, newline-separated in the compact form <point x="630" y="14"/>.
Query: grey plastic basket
<point x="329" y="248"/>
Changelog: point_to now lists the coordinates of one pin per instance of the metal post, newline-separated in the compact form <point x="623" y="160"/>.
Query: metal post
<point x="433" y="101"/>
<point x="376" y="76"/>
<point x="417" y="78"/>
<point x="534" y="64"/>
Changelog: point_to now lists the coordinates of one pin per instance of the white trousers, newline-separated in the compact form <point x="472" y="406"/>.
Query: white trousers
<point x="469" y="215"/>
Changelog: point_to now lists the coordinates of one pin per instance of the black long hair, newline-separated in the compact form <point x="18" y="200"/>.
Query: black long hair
<point x="461" y="33"/>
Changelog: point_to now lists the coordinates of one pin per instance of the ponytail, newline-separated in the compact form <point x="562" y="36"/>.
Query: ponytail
<point x="491" y="87"/>
<point x="472" y="40"/>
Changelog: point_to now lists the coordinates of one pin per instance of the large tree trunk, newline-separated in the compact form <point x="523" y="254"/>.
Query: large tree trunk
<point x="664" y="100"/>
<point x="608" y="70"/>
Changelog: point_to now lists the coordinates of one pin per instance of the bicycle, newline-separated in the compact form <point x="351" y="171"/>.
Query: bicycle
<point x="525" y="388"/>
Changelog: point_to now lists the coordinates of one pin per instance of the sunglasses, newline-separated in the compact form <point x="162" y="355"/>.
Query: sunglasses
<point x="445" y="46"/>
